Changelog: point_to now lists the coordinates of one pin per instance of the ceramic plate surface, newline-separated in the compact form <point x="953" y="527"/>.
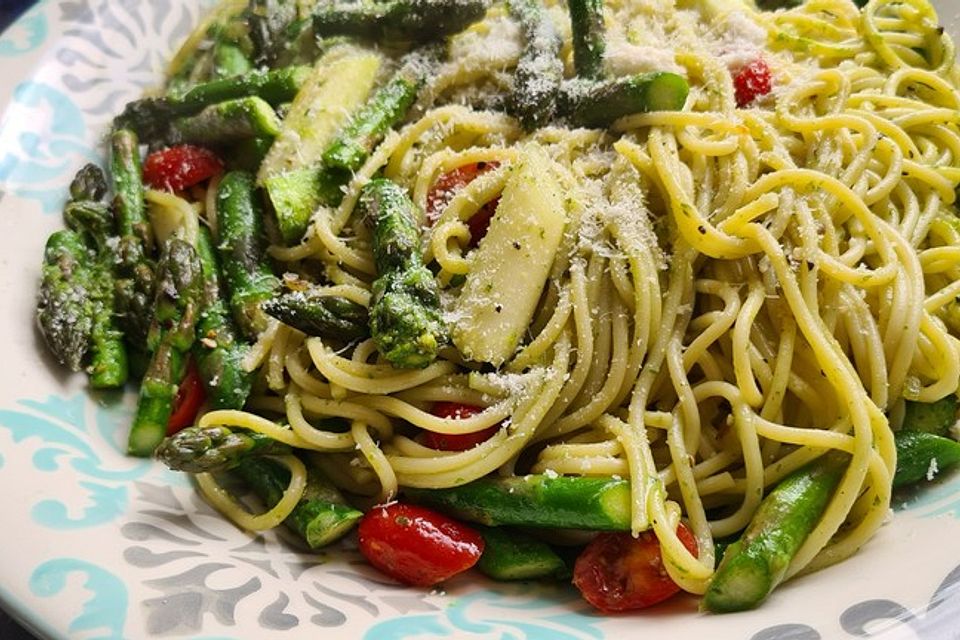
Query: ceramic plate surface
<point x="94" y="544"/>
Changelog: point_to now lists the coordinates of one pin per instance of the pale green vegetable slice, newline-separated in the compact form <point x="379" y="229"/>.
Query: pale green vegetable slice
<point x="510" y="267"/>
<point x="342" y="80"/>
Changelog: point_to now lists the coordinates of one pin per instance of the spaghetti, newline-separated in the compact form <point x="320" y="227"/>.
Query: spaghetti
<point x="738" y="290"/>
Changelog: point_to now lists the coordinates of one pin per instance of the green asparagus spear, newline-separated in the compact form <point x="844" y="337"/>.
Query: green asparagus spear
<point x="773" y="5"/>
<point x="249" y="117"/>
<point x="246" y="154"/>
<point x="93" y="220"/>
<point x="88" y="215"/>
<point x="932" y="417"/>
<point x="89" y="184"/>
<point x="172" y="333"/>
<point x="512" y="555"/>
<point x="330" y="317"/>
<point x="387" y="107"/>
<point x="296" y="194"/>
<point x="214" y="449"/>
<point x="601" y="504"/>
<point x="322" y="515"/>
<point x="922" y="455"/>
<point x="217" y="351"/>
<point x="128" y="186"/>
<point x="229" y="61"/>
<point x="109" y="365"/>
<point x="754" y="565"/>
<point x="193" y="61"/>
<point x="397" y="20"/>
<point x="133" y="299"/>
<point x="65" y="308"/>
<point x="405" y="317"/>
<point x="396" y="234"/>
<point x="599" y="104"/>
<point x="150" y="117"/>
<point x="536" y="82"/>
<point x="270" y="21"/>
<point x="295" y="179"/>
<point x="299" y="43"/>
<point x="586" y="22"/>
<point x="246" y="270"/>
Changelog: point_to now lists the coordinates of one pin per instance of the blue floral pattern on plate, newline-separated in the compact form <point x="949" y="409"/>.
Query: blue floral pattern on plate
<point x="66" y="434"/>
<point x="27" y="34"/>
<point x="42" y="138"/>
<point x="105" y="611"/>
<point x="495" y="614"/>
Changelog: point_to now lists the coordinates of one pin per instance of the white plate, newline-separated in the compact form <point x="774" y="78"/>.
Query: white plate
<point x="94" y="544"/>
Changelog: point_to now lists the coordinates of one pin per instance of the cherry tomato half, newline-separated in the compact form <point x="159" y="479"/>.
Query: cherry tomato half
<point x="190" y="397"/>
<point x="446" y="187"/>
<point x="179" y="167"/>
<point x="417" y="546"/>
<point x="751" y="82"/>
<point x="456" y="441"/>
<point x="617" y="572"/>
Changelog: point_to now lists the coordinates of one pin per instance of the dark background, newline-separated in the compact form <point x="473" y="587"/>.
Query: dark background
<point x="9" y="10"/>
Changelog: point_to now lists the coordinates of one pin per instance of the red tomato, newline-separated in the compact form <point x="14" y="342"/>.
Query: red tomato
<point x="456" y="441"/>
<point x="446" y="187"/>
<point x="617" y="572"/>
<point x="190" y="396"/>
<point x="177" y="168"/>
<point x="417" y="546"/>
<point x="751" y="82"/>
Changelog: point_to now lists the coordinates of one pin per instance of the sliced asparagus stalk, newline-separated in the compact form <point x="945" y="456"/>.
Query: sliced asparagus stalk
<point x="149" y="117"/>
<point x="88" y="215"/>
<point x="589" y="44"/>
<point x="126" y="171"/>
<point x="292" y="173"/>
<point x="321" y="517"/>
<point x="242" y="249"/>
<point x="396" y="20"/>
<point x="385" y="108"/>
<point x="922" y="455"/>
<point x="599" y="104"/>
<point x="217" y="351"/>
<point x="215" y="449"/>
<point x="296" y="194"/>
<point x="229" y="61"/>
<point x="325" y="316"/>
<point x="509" y="554"/>
<point x="601" y="504"/>
<point x="754" y="565"/>
<point x="405" y="319"/>
<point x="65" y="308"/>
<point x="536" y="82"/>
<point x="134" y="270"/>
<point x="229" y="121"/>
<point x="171" y="336"/>
<point x="932" y="417"/>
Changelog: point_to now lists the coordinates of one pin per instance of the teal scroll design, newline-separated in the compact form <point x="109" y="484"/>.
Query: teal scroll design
<point x="43" y="140"/>
<point x="27" y="34"/>
<point x="104" y="612"/>
<point x="506" y="613"/>
<point x="78" y="434"/>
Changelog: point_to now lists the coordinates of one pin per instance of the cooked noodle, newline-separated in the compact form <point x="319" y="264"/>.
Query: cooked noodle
<point x="738" y="291"/>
